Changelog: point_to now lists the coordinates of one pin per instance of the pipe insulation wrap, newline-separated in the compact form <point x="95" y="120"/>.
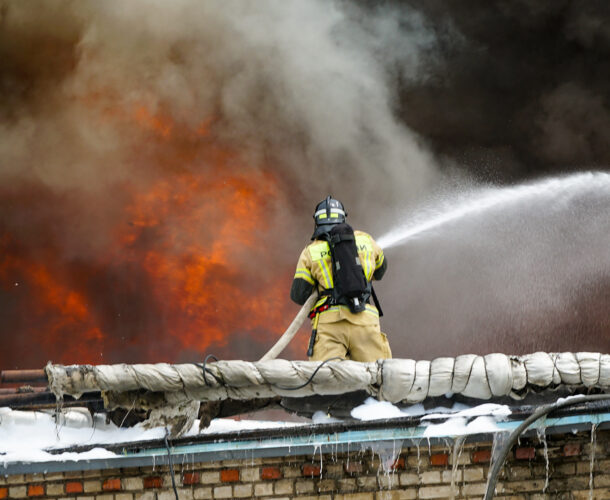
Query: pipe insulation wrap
<point x="394" y="380"/>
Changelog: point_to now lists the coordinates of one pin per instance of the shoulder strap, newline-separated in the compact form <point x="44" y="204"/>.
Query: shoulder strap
<point x="376" y="300"/>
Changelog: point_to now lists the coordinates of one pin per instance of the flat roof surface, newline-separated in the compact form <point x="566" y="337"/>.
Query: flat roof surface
<point x="336" y="437"/>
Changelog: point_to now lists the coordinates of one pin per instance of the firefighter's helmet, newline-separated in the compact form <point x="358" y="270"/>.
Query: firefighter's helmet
<point x="328" y="213"/>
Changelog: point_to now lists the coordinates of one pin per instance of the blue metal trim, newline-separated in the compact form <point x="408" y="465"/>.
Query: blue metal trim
<point x="313" y="444"/>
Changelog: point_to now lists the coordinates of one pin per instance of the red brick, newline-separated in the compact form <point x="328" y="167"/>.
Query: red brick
<point x="112" y="484"/>
<point x="271" y="473"/>
<point x="439" y="459"/>
<point x="398" y="464"/>
<point x="481" y="456"/>
<point x="190" y="478"/>
<point x="571" y="449"/>
<point x="311" y="470"/>
<point x="74" y="487"/>
<point x="353" y="468"/>
<point x="153" y="482"/>
<point x="229" y="475"/>
<point x="525" y="453"/>
<point x="35" y="490"/>
<point x="3" y="492"/>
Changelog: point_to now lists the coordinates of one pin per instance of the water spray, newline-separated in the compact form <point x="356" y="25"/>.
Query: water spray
<point x="480" y="201"/>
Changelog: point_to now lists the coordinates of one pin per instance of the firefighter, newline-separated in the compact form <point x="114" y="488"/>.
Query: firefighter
<point x="336" y="329"/>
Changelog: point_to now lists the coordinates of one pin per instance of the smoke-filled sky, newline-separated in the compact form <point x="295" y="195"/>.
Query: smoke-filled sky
<point x="160" y="161"/>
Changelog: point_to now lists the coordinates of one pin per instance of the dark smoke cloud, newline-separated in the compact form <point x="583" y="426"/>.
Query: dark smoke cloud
<point x="517" y="90"/>
<point x="378" y="103"/>
<point x="520" y="89"/>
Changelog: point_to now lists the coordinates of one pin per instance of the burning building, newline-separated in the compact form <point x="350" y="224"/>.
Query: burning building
<point x="159" y="166"/>
<point x="159" y="163"/>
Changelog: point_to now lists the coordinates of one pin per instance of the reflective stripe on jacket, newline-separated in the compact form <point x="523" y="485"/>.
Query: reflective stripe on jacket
<point x="315" y="267"/>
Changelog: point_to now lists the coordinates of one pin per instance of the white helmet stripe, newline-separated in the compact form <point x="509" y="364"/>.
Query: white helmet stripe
<point x="332" y="211"/>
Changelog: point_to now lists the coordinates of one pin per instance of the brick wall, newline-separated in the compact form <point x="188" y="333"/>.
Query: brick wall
<point x="430" y="472"/>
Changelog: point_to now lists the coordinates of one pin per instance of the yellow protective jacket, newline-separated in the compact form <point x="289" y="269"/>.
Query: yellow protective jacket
<point x="314" y="269"/>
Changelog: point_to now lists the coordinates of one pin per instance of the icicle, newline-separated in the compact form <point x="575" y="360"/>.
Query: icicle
<point x="348" y="455"/>
<point x="395" y="455"/>
<point x="592" y="458"/>
<point x="458" y="447"/>
<point x="541" y="432"/>
<point x="321" y="462"/>
<point x="388" y="452"/>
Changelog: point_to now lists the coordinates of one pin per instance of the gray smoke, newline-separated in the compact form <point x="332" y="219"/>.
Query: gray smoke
<point x="304" y="86"/>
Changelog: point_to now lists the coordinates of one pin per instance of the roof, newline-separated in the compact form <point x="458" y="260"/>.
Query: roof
<point x="479" y="424"/>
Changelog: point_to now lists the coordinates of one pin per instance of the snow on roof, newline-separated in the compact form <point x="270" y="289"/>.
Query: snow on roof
<point x="31" y="436"/>
<point x="34" y="441"/>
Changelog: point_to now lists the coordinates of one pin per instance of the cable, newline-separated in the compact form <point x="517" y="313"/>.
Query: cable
<point x="171" y="464"/>
<point x="205" y="361"/>
<point x="512" y="439"/>
<point x="133" y="405"/>
<point x="205" y="369"/>
<point x="310" y="378"/>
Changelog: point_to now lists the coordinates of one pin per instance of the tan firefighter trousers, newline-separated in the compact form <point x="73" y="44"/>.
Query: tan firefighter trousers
<point x="349" y="341"/>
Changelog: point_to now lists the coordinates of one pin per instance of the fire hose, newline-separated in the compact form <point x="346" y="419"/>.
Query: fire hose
<point x="289" y="334"/>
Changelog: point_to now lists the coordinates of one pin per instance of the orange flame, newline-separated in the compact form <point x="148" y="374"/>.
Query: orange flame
<point x="203" y="278"/>
<point x="193" y="269"/>
<point x="64" y="310"/>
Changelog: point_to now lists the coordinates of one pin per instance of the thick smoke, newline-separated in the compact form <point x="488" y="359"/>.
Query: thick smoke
<point x="113" y="113"/>
<point x="304" y="88"/>
<point x="521" y="88"/>
<point x="378" y="104"/>
<point x="302" y="84"/>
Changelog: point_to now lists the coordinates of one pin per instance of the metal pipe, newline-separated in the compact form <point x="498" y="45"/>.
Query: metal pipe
<point x="95" y="405"/>
<point x="42" y="398"/>
<point x="22" y="390"/>
<point x="495" y="468"/>
<point x="25" y="398"/>
<point x="20" y="376"/>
